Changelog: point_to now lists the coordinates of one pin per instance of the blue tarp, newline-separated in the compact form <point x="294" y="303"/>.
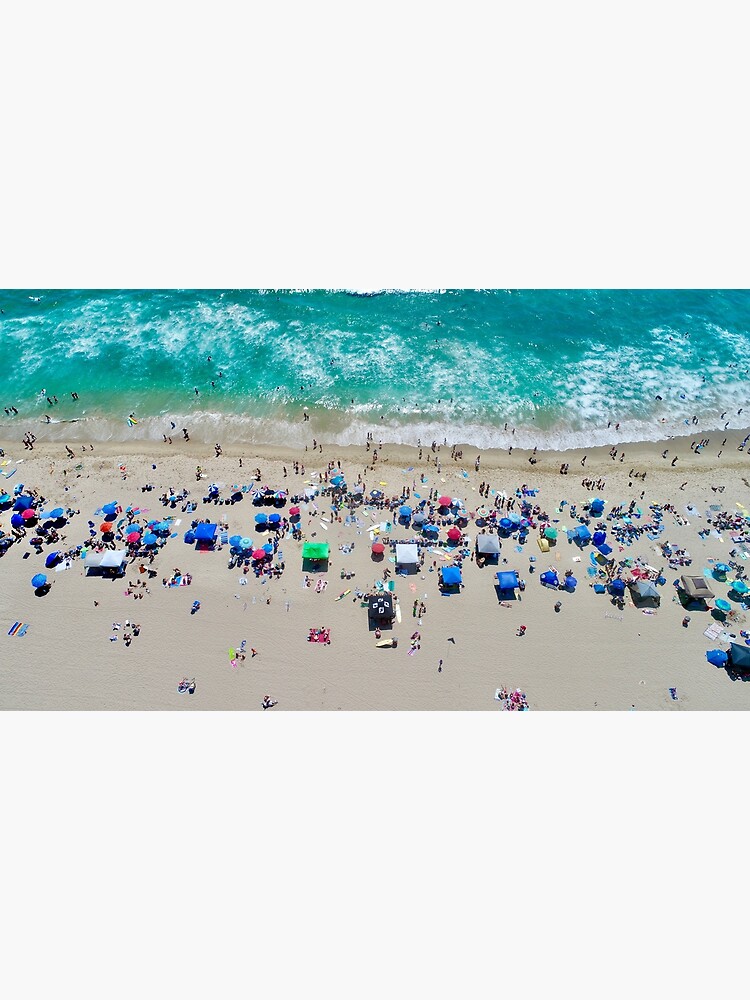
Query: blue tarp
<point x="451" y="576"/>
<point x="507" y="580"/>
<point x="206" y="532"/>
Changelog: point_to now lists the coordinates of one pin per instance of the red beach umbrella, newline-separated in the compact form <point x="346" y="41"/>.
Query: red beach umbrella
<point x="294" y="510"/>
<point x="378" y="548"/>
<point x="454" y="534"/>
<point x="444" y="501"/>
<point x="105" y="526"/>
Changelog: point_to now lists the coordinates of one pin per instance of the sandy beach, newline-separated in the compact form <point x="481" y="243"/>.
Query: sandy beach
<point x="588" y="656"/>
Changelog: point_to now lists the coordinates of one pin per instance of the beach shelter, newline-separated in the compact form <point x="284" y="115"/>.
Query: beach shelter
<point x="450" y="576"/>
<point x="507" y="580"/>
<point x="315" y="552"/>
<point x="337" y="480"/>
<point x="16" y="521"/>
<point x="696" y="588"/>
<point x="52" y="560"/>
<point x="488" y="545"/>
<point x="23" y="502"/>
<point x="380" y="612"/>
<point x="644" y="592"/>
<point x="549" y="579"/>
<point x="570" y="583"/>
<point x="599" y="537"/>
<point x="739" y="656"/>
<point x="407" y="556"/>
<point x="205" y="535"/>
<point x="717" y="657"/>
<point x="105" y="560"/>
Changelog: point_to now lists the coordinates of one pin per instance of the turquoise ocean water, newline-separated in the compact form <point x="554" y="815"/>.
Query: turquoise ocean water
<point x="556" y="365"/>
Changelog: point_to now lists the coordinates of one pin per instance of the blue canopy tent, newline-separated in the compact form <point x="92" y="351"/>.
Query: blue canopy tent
<point x="205" y="535"/>
<point x="739" y="657"/>
<point x="23" y="502"/>
<point x="451" y="576"/>
<point x="507" y="580"/>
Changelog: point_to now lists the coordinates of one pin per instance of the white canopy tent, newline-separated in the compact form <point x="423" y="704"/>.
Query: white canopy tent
<point x="105" y="560"/>
<point x="407" y="554"/>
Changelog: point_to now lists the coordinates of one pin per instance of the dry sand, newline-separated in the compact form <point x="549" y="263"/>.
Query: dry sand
<point x="589" y="656"/>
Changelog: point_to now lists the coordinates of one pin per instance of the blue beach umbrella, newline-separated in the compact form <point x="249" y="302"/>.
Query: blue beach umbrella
<point x="721" y="569"/>
<point x="268" y="548"/>
<point x="57" y="512"/>
<point x="514" y="518"/>
<point x="150" y="539"/>
<point x="405" y="511"/>
<point x="506" y="524"/>
<point x="261" y="519"/>
<point x="52" y="559"/>
<point x="235" y="540"/>
<point x="16" y="521"/>
<point x="274" y="518"/>
<point x="337" y="480"/>
<point x="5" y="498"/>
<point x="617" y="587"/>
<point x="38" y="581"/>
<point x="740" y="587"/>
<point x="717" y="657"/>
<point x="109" y="508"/>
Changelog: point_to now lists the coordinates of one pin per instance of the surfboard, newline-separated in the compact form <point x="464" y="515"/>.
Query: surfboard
<point x="398" y="613"/>
<point x="384" y="642"/>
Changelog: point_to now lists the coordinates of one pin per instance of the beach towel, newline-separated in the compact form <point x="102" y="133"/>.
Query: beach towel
<point x="713" y="631"/>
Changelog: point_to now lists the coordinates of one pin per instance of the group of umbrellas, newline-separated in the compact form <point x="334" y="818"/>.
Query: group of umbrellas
<point x="242" y="545"/>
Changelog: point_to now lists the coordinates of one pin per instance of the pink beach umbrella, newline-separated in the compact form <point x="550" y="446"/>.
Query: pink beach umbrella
<point x="259" y="554"/>
<point x="28" y="514"/>
<point x="134" y="536"/>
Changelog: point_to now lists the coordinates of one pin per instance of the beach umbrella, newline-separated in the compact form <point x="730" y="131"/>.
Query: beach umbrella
<point x="717" y="657"/>
<point x="430" y="529"/>
<point x="235" y="540"/>
<point x="259" y="554"/>
<point x="617" y="587"/>
<point x="481" y="512"/>
<point x="549" y="579"/>
<point x="16" y="521"/>
<point x="280" y="495"/>
<point x="454" y="534"/>
<point x="38" y="581"/>
<point x="723" y="605"/>
<point x="515" y="518"/>
<point x="246" y="543"/>
<point x="294" y="511"/>
<point x="133" y="536"/>
<point x="268" y="548"/>
<point x="5" y="498"/>
<point x="22" y="502"/>
<point x="109" y="508"/>
<point x="274" y="518"/>
<point x="52" y="559"/>
<point x="444" y="501"/>
<point x="261" y="519"/>
<point x="571" y="583"/>
<point x="378" y="548"/>
<point x="721" y="569"/>
<point x="150" y="539"/>
<point x="337" y="480"/>
<point x="405" y="510"/>
<point x="54" y="514"/>
<point x="550" y="533"/>
<point x="357" y="489"/>
<point x="105" y="526"/>
<point x="419" y="518"/>
<point x="29" y="514"/>
<point x="738" y="586"/>
<point x="506" y="524"/>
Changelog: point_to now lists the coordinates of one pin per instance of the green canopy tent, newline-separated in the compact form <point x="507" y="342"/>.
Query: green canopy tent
<point x="313" y="553"/>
